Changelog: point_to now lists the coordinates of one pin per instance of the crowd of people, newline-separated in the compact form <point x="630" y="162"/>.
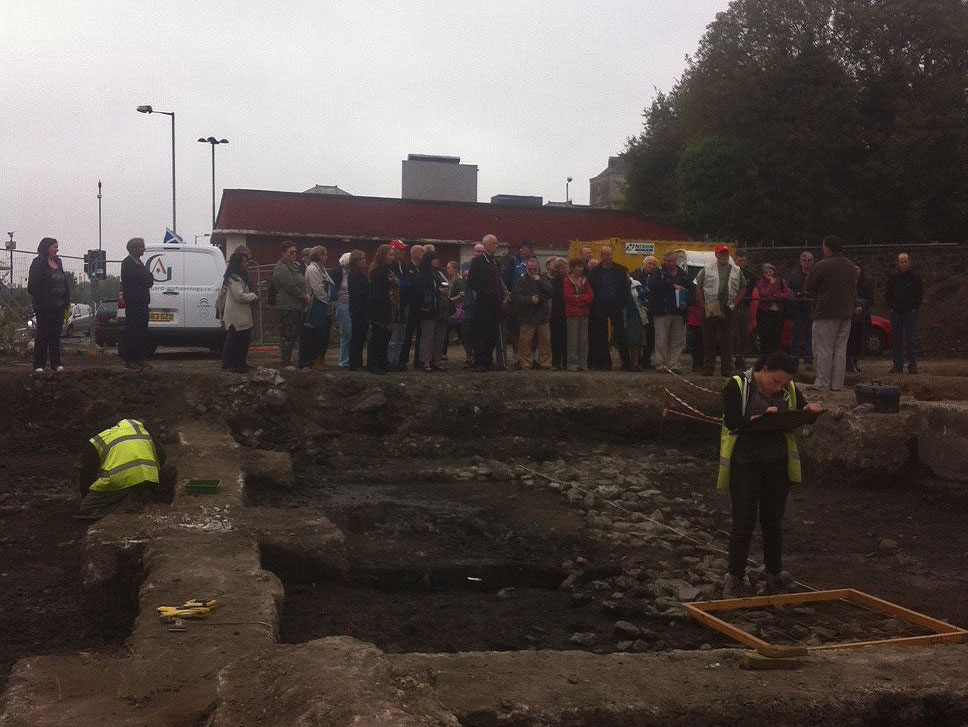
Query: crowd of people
<point x="402" y="306"/>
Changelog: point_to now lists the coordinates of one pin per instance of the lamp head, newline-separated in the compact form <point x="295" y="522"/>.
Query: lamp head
<point x="145" y="109"/>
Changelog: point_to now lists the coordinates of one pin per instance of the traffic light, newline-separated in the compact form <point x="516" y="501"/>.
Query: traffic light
<point x="96" y="264"/>
<point x="100" y="264"/>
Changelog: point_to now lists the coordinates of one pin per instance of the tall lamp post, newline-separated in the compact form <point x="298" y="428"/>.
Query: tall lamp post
<point x="213" y="141"/>
<point x="149" y="110"/>
<point x="567" y="183"/>
<point x="11" y="245"/>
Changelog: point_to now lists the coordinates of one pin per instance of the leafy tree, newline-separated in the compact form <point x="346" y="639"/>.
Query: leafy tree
<point x="830" y="115"/>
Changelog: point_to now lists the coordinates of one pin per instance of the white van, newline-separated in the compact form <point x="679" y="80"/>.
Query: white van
<point x="182" y="310"/>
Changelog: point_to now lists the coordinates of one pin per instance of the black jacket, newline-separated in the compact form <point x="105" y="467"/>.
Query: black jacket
<point x="485" y="281"/>
<point x="598" y="278"/>
<point x="379" y="306"/>
<point x="136" y="282"/>
<point x="38" y="283"/>
<point x="905" y="292"/>
<point x="661" y="286"/>
<point x="358" y="287"/>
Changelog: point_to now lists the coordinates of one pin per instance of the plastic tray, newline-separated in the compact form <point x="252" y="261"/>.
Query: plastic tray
<point x="202" y="487"/>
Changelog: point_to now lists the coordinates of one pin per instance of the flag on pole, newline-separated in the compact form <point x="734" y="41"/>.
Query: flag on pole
<point x="172" y="238"/>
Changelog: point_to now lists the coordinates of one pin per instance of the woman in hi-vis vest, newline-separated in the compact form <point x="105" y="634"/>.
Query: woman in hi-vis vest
<point x="757" y="467"/>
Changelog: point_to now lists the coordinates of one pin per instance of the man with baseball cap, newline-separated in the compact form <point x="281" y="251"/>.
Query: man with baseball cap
<point x="404" y="271"/>
<point x="719" y="287"/>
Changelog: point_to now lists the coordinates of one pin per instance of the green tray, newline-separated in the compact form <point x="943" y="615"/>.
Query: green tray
<point x="202" y="487"/>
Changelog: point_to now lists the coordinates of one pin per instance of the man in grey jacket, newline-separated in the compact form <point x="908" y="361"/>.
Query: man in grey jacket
<point x="292" y="297"/>
<point x="832" y="285"/>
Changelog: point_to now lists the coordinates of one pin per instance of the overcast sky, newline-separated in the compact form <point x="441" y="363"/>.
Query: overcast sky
<point x="312" y="92"/>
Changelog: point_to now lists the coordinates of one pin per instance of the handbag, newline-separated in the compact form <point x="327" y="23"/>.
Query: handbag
<point x="457" y="317"/>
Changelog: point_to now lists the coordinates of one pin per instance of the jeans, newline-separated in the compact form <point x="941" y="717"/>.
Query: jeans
<point x="904" y="329"/>
<point x="47" y="338"/>
<point x="397" y="337"/>
<point x="801" y="346"/>
<point x="741" y="333"/>
<point x="756" y="486"/>
<point x="345" y="333"/>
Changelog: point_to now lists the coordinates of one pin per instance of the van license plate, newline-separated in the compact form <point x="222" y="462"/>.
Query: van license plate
<point x="161" y="317"/>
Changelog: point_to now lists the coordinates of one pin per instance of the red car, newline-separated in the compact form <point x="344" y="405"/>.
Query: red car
<point x="879" y="337"/>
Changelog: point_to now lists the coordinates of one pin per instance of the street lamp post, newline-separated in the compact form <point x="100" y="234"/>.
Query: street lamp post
<point x="567" y="197"/>
<point x="149" y="110"/>
<point x="213" y="141"/>
<point x="11" y="245"/>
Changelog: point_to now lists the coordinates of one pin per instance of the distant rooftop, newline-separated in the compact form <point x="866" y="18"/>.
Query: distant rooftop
<point x="327" y="189"/>
<point x="517" y="200"/>
<point x="432" y="158"/>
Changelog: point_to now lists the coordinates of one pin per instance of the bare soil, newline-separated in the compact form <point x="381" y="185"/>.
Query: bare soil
<point x="384" y="458"/>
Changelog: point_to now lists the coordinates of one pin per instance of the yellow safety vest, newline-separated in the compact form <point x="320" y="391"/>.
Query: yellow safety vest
<point x="127" y="456"/>
<point x="727" y="442"/>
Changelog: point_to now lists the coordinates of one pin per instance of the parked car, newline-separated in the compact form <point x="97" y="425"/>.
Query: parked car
<point x="79" y="322"/>
<point x="182" y="310"/>
<point x="106" y="324"/>
<point x="879" y="337"/>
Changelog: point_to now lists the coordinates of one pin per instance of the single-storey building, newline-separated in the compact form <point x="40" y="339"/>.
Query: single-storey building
<point x="263" y="219"/>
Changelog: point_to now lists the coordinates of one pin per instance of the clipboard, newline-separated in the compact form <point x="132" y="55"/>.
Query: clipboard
<point x="779" y="422"/>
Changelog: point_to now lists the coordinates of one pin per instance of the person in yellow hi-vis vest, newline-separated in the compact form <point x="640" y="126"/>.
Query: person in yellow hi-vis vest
<point x="122" y="469"/>
<point x="758" y="466"/>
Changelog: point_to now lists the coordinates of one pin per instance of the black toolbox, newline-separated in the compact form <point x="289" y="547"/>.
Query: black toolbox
<point x="886" y="399"/>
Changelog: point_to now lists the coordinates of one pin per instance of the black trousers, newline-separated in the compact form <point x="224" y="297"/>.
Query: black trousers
<point x="762" y="486"/>
<point x="236" y="348"/>
<point x="484" y="324"/>
<point x="376" y="352"/>
<point x="559" y="343"/>
<point x="47" y="338"/>
<point x="358" y="326"/>
<point x="313" y="343"/>
<point x="599" y="317"/>
<point x="717" y="335"/>
<point x="770" y="325"/>
<point x="135" y="336"/>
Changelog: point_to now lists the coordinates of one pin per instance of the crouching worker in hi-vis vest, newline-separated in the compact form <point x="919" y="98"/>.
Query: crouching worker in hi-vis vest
<point x="123" y="469"/>
<point x="758" y="466"/>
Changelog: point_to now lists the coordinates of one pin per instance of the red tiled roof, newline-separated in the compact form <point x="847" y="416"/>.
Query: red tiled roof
<point x="294" y="213"/>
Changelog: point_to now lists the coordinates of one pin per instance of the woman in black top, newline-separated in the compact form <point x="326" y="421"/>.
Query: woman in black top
<point x="358" y="287"/>
<point x="758" y="468"/>
<point x="380" y="309"/>
<point x="50" y="293"/>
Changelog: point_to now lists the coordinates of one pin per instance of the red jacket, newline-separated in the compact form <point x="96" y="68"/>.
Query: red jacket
<point x="577" y="301"/>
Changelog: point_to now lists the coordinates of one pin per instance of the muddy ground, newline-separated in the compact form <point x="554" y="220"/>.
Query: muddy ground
<point x="466" y="514"/>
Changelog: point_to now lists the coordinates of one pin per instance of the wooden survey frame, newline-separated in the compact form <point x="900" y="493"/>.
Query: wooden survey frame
<point x="943" y="633"/>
